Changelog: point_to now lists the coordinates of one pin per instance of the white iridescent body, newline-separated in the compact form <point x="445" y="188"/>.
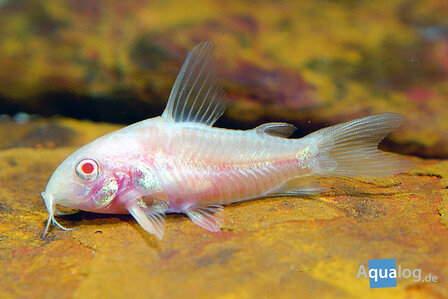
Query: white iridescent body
<point x="179" y="163"/>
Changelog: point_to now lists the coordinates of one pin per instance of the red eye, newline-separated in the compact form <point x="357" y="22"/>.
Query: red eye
<point x="87" y="169"/>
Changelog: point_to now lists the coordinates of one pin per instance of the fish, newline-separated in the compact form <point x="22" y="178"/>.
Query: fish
<point x="179" y="163"/>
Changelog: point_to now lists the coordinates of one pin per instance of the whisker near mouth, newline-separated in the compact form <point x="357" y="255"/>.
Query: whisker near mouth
<point x="52" y="220"/>
<point x="60" y="226"/>
<point x="47" y="227"/>
<point x="50" y="208"/>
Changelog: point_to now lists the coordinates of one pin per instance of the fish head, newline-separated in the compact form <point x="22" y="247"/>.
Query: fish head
<point x="82" y="181"/>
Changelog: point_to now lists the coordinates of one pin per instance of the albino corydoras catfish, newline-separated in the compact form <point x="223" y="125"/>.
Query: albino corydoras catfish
<point x="179" y="163"/>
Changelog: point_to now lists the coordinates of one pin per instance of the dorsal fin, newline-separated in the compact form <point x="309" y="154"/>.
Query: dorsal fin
<point x="196" y="96"/>
<point x="276" y="129"/>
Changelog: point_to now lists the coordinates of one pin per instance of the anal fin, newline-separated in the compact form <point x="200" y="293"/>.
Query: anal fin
<point x="299" y="186"/>
<point x="206" y="217"/>
<point x="150" y="217"/>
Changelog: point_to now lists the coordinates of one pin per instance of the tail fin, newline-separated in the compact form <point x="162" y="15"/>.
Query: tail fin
<point x="351" y="148"/>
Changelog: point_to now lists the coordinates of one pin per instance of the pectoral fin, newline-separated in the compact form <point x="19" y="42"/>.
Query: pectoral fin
<point x="206" y="217"/>
<point x="151" y="218"/>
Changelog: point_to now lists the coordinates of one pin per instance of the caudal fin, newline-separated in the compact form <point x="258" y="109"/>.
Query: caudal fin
<point x="351" y="148"/>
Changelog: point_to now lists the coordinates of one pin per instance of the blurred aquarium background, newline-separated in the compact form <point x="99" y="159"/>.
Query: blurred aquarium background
<point x="312" y="63"/>
<point x="74" y="70"/>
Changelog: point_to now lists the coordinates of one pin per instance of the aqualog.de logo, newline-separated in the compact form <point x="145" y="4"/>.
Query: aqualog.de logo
<point x="384" y="273"/>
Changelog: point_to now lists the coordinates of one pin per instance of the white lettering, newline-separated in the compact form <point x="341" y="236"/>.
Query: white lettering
<point x="395" y="273"/>
<point x="362" y="271"/>
<point x="373" y="274"/>
<point x="417" y="273"/>
<point x="383" y="275"/>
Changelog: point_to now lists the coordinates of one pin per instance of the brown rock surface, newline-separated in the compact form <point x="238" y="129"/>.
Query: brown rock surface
<point x="316" y="61"/>
<point x="277" y="247"/>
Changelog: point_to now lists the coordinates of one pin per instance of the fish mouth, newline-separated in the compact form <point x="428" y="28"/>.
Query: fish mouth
<point x="50" y="205"/>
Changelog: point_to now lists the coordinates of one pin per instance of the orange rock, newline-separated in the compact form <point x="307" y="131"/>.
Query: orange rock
<point x="276" y="247"/>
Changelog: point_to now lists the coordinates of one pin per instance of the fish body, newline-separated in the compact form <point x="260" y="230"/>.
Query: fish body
<point x="179" y="163"/>
<point x="193" y="165"/>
